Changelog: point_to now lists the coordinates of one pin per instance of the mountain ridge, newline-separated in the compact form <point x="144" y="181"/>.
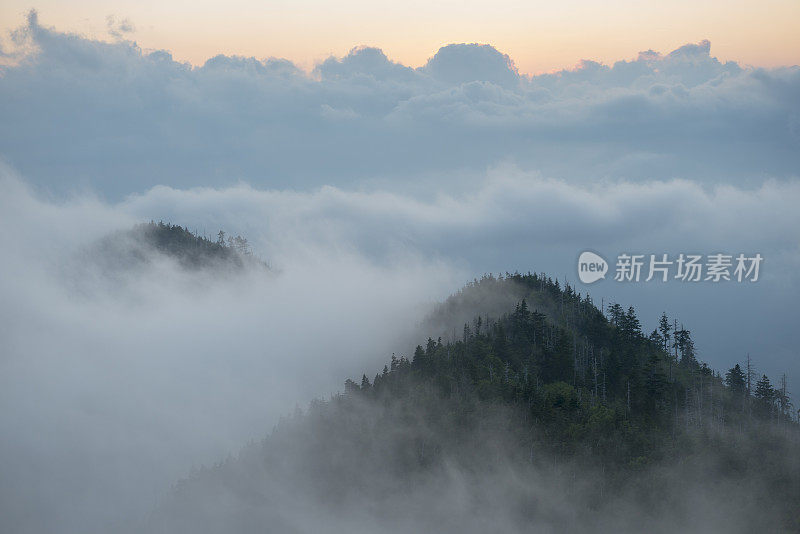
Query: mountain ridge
<point x="582" y="407"/>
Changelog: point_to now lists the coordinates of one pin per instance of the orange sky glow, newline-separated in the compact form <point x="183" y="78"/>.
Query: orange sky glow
<point x="539" y="36"/>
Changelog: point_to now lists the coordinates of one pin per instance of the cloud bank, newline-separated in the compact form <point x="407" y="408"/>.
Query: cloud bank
<point x="517" y="220"/>
<point x="118" y="119"/>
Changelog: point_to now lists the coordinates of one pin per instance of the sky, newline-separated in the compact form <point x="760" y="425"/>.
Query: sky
<point x="377" y="179"/>
<point x="540" y="36"/>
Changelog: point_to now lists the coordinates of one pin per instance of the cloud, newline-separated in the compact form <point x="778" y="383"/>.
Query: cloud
<point x="457" y="64"/>
<point x="365" y="62"/>
<point x="118" y="119"/>
<point x="135" y="378"/>
<point x="118" y="28"/>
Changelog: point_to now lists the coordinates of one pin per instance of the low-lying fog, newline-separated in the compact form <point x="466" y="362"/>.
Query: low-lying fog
<point x="115" y="382"/>
<point x="113" y="385"/>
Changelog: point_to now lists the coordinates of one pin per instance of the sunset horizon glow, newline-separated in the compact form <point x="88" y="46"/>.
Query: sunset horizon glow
<point x="538" y="38"/>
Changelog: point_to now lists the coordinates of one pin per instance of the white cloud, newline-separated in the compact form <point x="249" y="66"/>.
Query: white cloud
<point x="119" y="119"/>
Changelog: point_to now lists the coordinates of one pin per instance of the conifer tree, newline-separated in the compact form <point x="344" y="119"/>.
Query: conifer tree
<point x="617" y="314"/>
<point x="765" y="394"/>
<point x="736" y="381"/>
<point x="664" y="328"/>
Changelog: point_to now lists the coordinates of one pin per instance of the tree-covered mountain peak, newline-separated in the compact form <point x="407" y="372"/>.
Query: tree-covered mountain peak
<point x="548" y="414"/>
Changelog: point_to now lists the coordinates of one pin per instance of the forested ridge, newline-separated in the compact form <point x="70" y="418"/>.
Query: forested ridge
<point x="600" y="363"/>
<point x="192" y="251"/>
<point x="551" y="416"/>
